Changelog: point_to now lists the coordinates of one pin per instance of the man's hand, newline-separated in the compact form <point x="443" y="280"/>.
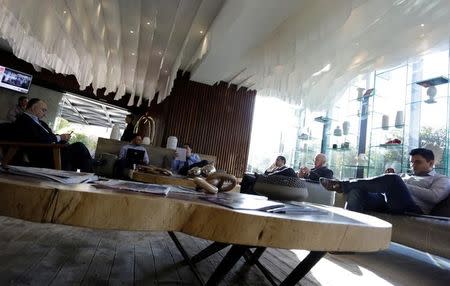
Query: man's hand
<point x="303" y="172"/>
<point x="65" y="136"/>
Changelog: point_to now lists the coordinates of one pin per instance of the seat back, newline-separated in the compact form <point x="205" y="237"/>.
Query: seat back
<point x="281" y="188"/>
<point x="7" y="133"/>
<point x="318" y="195"/>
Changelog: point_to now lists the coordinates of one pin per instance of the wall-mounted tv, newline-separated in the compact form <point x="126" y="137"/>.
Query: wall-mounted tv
<point x="15" y="80"/>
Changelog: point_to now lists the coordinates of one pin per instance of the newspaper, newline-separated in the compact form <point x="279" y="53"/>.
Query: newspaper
<point x="134" y="186"/>
<point x="65" y="177"/>
<point x="181" y="154"/>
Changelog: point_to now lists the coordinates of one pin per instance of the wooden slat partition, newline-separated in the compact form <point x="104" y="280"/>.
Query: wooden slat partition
<point x="215" y="120"/>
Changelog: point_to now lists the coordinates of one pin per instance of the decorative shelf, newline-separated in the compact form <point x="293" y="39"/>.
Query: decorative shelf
<point x="393" y="146"/>
<point x="356" y="166"/>
<point x="340" y="149"/>
<point x="389" y="127"/>
<point x="433" y="81"/>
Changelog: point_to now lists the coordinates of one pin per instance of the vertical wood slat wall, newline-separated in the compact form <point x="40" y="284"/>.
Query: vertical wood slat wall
<point x="215" y="120"/>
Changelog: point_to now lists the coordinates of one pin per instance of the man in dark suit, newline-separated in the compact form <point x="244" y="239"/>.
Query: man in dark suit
<point x="30" y="128"/>
<point x="129" y="130"/>
<point x="319" y="170"/>
<point x="278" y="168"/>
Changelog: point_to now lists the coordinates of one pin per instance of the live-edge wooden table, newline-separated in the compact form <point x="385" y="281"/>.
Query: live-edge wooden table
<point x="162" y="179"/>
<point x="84" y="205"/>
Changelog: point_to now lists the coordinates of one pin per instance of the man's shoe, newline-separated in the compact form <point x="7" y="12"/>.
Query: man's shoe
<point x="331" y="185"/>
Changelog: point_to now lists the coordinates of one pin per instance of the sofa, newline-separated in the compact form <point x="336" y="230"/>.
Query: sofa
<point x="428" y="233"/>
<point x="107" y="152"/>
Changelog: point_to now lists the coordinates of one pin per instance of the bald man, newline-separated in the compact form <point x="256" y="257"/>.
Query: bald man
<point x="29" y="127"/>
<point x="319" y="170"/>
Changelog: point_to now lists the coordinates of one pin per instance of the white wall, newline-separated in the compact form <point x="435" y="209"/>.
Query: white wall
<point x="9" y="98"/>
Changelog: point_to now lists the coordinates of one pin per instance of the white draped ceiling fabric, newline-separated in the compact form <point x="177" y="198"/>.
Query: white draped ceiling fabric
<point x="137" y="46"/>
<point x="313" y="55"/>
<point x="133" y="46"/>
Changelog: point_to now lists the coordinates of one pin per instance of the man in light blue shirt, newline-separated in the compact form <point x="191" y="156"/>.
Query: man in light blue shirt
<point x="136" y="141"/>
<point x="182" y="165"/>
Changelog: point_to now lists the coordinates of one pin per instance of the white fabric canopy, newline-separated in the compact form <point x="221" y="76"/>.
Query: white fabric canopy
<point x="137" y="46"/>
<point x="133" y="46"/>
<point x="313" y="55"/>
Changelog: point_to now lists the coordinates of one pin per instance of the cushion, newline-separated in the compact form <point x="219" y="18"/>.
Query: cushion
<point x="442" y="208"/>
<point x="107" y="168"/>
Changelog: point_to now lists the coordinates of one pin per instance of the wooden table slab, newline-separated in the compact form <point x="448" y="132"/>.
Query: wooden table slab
<point x="87" y="206"/>
<point x="161" y="179"/>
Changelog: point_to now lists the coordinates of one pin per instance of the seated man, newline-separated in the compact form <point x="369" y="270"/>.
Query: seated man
<point x="319" y="170"/>
<point x="30" y="128"/>
<point x="129" y="155"/>
<point x="418" y="193"/>
<point x="182" y="166"/>
<point x="278" y="168"/>
<point x="18" y="109"/>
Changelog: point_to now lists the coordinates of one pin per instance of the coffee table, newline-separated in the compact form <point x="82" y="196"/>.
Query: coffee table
<point x="330" y="229"/>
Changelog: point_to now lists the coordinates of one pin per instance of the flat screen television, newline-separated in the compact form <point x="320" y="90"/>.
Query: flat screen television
<point x="15" y="80"/>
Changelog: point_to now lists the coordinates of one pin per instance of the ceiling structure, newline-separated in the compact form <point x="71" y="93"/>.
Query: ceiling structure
<point x="302" y="51"/>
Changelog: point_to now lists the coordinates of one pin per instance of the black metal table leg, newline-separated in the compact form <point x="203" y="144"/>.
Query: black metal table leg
<point x="303" y="268"/>
<point x="254" y="257"/>
<point x="209" y="250"/>
<point x="186" y="256"/>
<point x="230" y="259"/>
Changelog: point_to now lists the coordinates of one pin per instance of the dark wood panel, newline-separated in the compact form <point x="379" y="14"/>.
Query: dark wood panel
<point x="215" y="120"/>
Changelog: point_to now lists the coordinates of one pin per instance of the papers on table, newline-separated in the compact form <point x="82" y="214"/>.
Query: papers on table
<point x="298" y="209"/>
<point x="65" y="177"/>
<point x="243" y="203"/>
<point x="134" y="186"/>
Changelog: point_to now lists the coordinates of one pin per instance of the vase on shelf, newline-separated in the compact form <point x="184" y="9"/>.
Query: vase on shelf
<point x="385" y="122"/>
<point x="337" y="131"/>
<point x="399" y="119"/>
<point x="345" y="127"/>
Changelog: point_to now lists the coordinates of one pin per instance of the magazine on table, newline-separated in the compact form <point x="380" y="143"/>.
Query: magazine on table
<point x="134" y="186"/>
<point x="242" y="203"/>
<point x="65" y="177"/>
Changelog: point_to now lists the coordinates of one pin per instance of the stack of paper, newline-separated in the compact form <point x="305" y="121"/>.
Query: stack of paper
<point x="134" y="186"/>
<point x="65" y="177"/>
